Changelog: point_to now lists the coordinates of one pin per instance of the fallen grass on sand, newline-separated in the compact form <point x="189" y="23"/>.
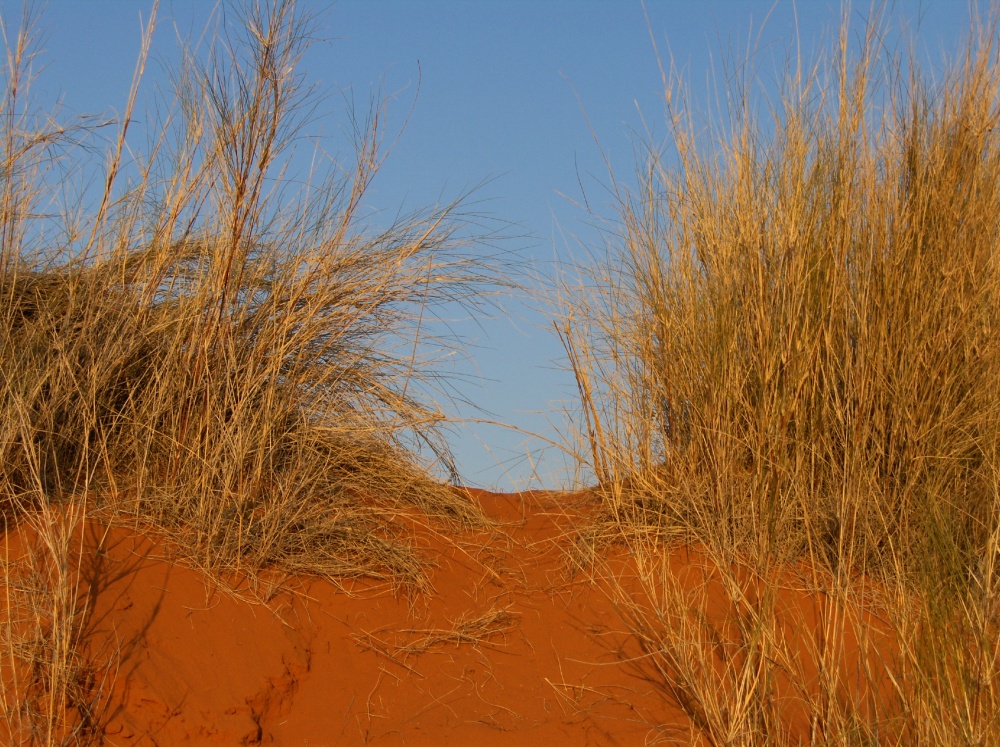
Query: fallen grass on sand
<point x="472" y="628"/>
<point x="790" y="358"/>
<point x="213" y="350"/>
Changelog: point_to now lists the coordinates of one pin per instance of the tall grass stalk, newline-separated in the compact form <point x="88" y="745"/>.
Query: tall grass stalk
<point x="790" y="353"/>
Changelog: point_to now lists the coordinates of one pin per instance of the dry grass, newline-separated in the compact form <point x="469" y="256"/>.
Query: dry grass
<point x="790" y="354"/>
<point x="231" y="356"/>
<point x="51" y="692"/>
<point x="468" y="629"/>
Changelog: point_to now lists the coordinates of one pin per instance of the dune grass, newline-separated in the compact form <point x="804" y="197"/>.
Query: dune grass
<point x="788" y="359"/>
<point x="212" y="346"/>
<point x="789" y="356"/>
<point x="218" y="350"/>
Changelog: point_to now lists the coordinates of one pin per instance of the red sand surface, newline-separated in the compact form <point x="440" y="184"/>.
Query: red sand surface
<point x="508" y="648"/>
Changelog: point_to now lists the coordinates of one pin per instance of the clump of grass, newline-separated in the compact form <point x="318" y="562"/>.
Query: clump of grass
<point x="791" y="354"/>
<point x="214" y="353"/>
<point x="50" y="692"/>
<point x="232" y="356"/>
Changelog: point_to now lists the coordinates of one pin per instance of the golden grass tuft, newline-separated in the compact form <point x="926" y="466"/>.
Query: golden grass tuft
<point x="790" y="354"/>
<point x="217" y="355"/>
<point x="216" y="349"/>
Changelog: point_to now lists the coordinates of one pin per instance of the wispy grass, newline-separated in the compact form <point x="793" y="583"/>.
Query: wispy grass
<point x="790" y="354"/>
<point x="217" y="350"/>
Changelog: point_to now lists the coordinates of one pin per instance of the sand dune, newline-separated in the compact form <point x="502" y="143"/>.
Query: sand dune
<point x="509" y="645"/>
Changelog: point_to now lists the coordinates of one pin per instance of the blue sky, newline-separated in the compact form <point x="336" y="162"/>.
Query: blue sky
<point x="511" y="93"/>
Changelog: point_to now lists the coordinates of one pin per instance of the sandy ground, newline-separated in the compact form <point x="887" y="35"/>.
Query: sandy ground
<point x="508" y="648"/>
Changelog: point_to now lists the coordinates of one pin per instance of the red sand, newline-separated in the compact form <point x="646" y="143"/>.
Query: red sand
<point x="196" y="665"/>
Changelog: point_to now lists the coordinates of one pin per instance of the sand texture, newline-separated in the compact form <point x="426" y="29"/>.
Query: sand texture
<point x="509" y="645"/>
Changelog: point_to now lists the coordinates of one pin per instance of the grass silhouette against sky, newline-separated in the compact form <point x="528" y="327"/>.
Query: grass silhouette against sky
<point x="507" y="96"/>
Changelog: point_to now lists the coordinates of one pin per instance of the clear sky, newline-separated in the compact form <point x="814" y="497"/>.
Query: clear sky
<point x="508" y="92"/>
